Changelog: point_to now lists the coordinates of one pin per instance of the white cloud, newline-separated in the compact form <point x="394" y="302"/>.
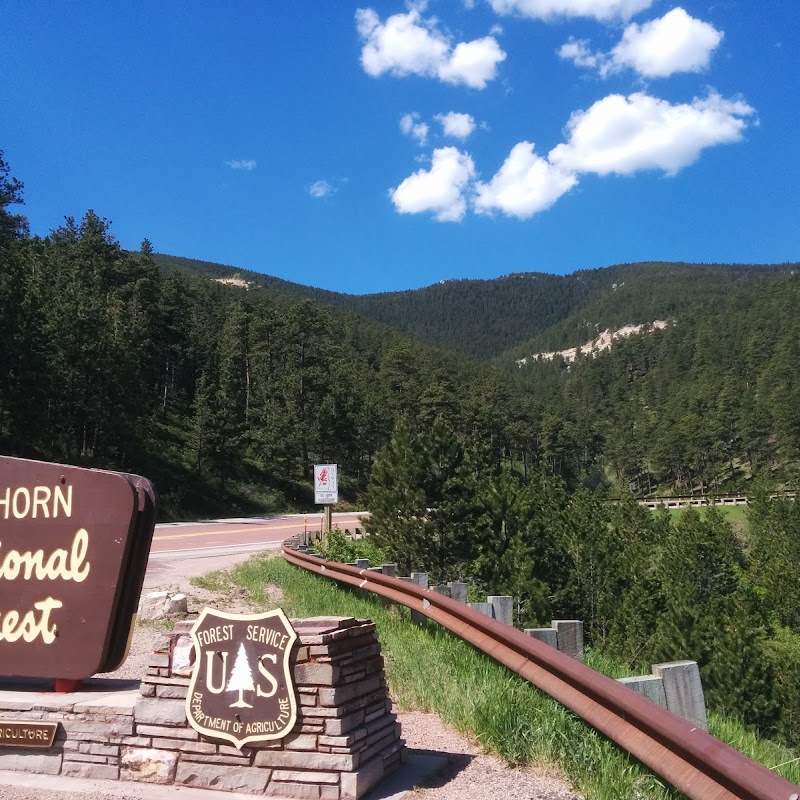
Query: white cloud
<point x="459" y="126"/>
<point x="440" y="190"/>
<point x="617" y="135"/>
<point x="326" y="187"/>
<point x="525" y="185"/>
<point x="603" y="10"/>
<point x="622" y="135"/>
<point x="410" y="125"/>
<point x="320" y="189"/>
<point x="473" y="63"/>
<point x="674" y="43"/>
<point x="577" y="51"/>
<point x="246" y="163"/>
<point x="407" y="44"/>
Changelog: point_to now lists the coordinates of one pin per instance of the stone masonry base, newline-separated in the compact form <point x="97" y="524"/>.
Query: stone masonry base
<point x="345" y="741"/>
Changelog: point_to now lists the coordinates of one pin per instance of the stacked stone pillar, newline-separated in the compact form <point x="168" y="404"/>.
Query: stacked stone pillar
<point x="345" y="741"/>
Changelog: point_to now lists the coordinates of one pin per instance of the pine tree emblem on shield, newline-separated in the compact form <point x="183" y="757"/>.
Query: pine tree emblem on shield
<point x="241" y="688"/>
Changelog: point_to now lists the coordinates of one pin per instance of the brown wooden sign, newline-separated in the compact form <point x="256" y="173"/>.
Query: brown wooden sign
<point x="73" y="550"/>
<point x="21" y="733"/>
<point x="241" y="688"/>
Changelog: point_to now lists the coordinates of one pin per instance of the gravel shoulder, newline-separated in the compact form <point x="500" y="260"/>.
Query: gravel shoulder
<point x="468" y="772"/>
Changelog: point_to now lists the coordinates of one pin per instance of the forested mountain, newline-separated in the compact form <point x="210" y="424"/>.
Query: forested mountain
<point x="706" y="405"/>
<point x="709" y="402"/>
<point x="279" y="288"/>
<point x="525" y="312"/>
<point x="225" y="397"/>
<point x="228" y="395"/>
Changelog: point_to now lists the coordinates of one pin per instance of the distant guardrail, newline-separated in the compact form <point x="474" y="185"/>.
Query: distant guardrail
<point x="653" y="503"/>
<point x="695" y="501"/>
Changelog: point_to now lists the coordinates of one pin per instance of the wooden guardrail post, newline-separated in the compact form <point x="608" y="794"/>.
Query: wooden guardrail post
<point x="421" y="579"/>
<point x="458" y="591"/>
<point x="683" y="691"/>
<point x="503" y="606"/>
<point x="570" y="637"/>
<point x="547" y="635"/>
<point x="484" y="608"/>
<point x="651" y="686"/>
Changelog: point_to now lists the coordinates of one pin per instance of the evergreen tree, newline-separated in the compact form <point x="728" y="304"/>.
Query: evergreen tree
<point x="233" y="395"/>
<point x="774" y="553"/>
<point x="241" y="679"/>
<point x="520" y="542"/>
<point x="451" y="482"/>
<point x="13" y="227"/>
<point x="14" y="289"/>
<point x="205" y="434"/>
<point x="397" y="500"/>
<point x="712" y="617"/>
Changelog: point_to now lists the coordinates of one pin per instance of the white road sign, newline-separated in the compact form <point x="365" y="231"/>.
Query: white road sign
<point x="326" y="484"/>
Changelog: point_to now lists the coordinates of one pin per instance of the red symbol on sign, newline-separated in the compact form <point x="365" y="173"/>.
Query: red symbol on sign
<point x="323" y="476"/>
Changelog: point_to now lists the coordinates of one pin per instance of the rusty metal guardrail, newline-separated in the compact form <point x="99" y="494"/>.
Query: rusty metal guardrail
<point x="691" y="760"/>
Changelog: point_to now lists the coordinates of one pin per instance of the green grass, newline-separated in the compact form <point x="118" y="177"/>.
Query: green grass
<point x="728" y="730"/>
<point x="478" y="697"/>
<point x="778" y="758"/>
<point x="482" y="699"/>
<point x="736" y="515"/>
<point x="219" y="581"/>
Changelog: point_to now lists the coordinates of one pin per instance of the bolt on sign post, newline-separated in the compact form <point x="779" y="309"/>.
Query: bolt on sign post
<point x="74" y="545"/>
<point x="326" y="490"/>
<point x="241" y="687"/>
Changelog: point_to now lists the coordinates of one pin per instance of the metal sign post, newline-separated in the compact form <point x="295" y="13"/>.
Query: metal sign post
<point x="326" y="491"/>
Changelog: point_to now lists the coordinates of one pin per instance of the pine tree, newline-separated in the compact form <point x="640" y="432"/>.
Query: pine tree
<point x="396" y="500"/>
<point x="12" y="226"/>
<point x="175" y="380"/>
<point x="85" y="392"/>
<point x="451" y="483"/>
<point x="233" y="393"/>
<point x="711" y="616"/>
<point x="204" y="438"/>
<point x="520" y="542"/>
<point x="241" y="679"/>
<point x="13" y="286"/>
<point x="774" y="553"/>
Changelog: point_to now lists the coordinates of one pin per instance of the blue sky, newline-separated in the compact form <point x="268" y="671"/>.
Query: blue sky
<point x="391" y="145"/>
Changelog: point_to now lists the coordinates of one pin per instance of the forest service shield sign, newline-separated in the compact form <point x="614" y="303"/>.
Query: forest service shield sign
<point x="241" y="688"/>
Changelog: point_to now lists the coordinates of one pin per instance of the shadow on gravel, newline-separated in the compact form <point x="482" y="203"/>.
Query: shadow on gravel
<point x="451" y="765"/>
<point x="426" y="769"/>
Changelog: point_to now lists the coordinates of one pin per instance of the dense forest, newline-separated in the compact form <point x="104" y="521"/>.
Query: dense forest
<point x="517" y="476"/>
<point x="225" y="397"/>
<point x="704" y="405"/>
<point x="649" y="587"/>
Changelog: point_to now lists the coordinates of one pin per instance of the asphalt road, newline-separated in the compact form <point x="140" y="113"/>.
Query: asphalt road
<point x="176" y="540"/>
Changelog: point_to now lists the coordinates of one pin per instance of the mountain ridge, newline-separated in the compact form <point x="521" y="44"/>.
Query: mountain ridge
<point x="519" y="313"/>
